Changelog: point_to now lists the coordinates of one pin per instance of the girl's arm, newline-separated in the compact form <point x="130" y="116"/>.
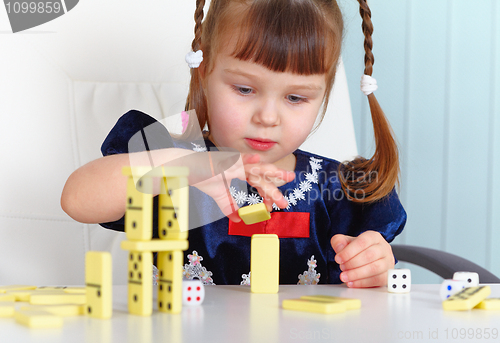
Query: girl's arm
<point x="96" y="192"/>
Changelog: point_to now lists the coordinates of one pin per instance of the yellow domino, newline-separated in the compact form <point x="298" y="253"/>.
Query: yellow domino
<point x="351" y="303"/>
<point x="140" y="283"/>
<point x="466" y="298"/>
<point x="21" y="294"/>
<point x="264" y="263"/>
<point x="7" y="297"/>
<point x="7" y="308"/>
<point x="139" y="209"/>
<point x="4" y="289"/>
<point x="51" y="288"/>
<point x="75" y="290"/>
<point x="98" y="279"/>
<point x="173" y="208"/>
<point x="489" y="304"/>
<point x="170" y="281"/>
<point x="254" y="213"/>
<point x="57" y="298"/>
<point x="155" y="245"/>
<point x="310" y="305"/>
<point x="38" y="319"/>
<point x="57" y="310"/>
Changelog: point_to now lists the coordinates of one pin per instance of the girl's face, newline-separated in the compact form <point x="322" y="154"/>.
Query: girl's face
<point x="259" y="111"/>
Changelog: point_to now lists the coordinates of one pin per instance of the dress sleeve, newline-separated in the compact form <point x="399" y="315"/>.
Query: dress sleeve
<point x="135" y="131"/>
<point x="386" y="216"/>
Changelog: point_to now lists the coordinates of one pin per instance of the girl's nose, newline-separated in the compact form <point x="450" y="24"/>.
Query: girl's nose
<point x="267" y="114"/>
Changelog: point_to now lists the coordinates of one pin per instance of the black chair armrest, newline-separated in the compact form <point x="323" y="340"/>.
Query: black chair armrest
<point x="439" y="262"/>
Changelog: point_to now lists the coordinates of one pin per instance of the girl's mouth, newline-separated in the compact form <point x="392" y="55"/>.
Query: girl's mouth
<point x="260" y="143"/>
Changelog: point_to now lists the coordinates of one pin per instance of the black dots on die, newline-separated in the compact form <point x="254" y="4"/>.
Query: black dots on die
<point x="394" y="276"/>
<point x="404" y="276"/>
<point x="469" y="280"/>
<point x="394" y="286"/>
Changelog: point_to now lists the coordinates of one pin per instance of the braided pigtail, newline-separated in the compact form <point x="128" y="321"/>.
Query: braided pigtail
<point x="370" y="180"/>
<point x="196" y="98"/>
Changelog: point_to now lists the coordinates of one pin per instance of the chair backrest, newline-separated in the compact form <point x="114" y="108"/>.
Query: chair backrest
<point x="63" y="85"/>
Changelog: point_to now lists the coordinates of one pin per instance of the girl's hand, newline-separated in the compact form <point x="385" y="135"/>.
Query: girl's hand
<point x="266" y="178"/>
<point x="213" y="173"/>
<point x="364" y="260"/>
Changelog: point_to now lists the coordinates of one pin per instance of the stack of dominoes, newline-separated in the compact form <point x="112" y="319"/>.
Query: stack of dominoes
<point x="173" y="207"/>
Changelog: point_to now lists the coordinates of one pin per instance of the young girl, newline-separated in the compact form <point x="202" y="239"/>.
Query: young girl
<point x="268" y="67"/>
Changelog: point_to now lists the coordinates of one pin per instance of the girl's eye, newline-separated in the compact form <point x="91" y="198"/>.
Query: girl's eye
<point x="243" y="90"/>
<point x="296" y="99"/>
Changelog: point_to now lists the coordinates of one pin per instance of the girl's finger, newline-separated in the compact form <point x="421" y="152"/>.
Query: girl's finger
<point x="374" y="281"/>
<point x="340" y="241"/>
<point x="357" y="245"/>
<point x="250" y="158"/>
<point x="367" y="271"/>
<point x="272" y="193"/>
<point x="367" y="256"/>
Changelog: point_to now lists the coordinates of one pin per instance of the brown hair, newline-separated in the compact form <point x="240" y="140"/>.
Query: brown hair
<point x="372" y="178"/>
<point x="288" y="35"/>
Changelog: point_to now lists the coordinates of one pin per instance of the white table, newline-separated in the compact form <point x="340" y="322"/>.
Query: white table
<point x="233" y="314"/>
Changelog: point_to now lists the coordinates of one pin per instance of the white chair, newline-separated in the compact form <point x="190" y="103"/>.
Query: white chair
<point x="63" y="85"/>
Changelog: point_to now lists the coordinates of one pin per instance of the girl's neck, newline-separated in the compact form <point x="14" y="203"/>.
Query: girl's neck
<point x="288" y="162"/>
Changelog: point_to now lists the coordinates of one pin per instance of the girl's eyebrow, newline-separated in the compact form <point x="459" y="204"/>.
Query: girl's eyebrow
<point x="239" y="72"/>
<point x="307" y="86"/>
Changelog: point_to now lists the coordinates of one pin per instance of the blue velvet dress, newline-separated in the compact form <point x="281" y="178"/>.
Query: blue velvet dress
<point x="315" y="197"/>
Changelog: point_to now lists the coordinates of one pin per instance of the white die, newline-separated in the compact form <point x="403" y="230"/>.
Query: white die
<point x="450" y="287"/>
<point x="472" y="279"/>
<point x="399" y="280"/>
<point x="193" y="292"/>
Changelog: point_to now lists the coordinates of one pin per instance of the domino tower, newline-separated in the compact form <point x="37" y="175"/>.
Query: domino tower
<point x="173" y="207"/>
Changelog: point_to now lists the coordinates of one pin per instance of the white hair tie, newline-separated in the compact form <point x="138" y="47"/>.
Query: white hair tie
<point x="368" y="84"/>
<point x="194" y="59"/>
